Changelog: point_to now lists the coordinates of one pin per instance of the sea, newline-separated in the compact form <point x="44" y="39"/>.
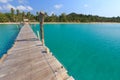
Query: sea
<point x="8" y="34"/>
<point x="87" y="51"/>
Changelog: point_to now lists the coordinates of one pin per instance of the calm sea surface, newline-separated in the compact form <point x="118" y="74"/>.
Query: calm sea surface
<point x="88" y="51"/>
<point x="8" y="34"/>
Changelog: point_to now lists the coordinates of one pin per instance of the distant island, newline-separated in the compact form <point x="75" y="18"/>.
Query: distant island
<point x="18" y="16"/>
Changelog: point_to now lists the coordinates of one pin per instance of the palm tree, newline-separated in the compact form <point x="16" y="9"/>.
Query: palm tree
<point x="28" y="15"/>
<point x="23" y="15"/>
<point x="12" y="15"/>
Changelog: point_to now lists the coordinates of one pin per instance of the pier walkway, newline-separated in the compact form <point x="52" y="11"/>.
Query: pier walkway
<point x="29" y="60"/>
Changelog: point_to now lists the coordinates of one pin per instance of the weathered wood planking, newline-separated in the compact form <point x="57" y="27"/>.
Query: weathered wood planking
<point x="29" y="60"/>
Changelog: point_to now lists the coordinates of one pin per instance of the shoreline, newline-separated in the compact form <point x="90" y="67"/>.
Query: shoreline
<point x="64" y="23"/>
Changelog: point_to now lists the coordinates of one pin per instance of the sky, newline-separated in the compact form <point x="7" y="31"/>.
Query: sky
<point x="107" y="8"/>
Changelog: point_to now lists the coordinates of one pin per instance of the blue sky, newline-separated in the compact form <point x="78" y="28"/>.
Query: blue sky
<point x="108" y="8"/>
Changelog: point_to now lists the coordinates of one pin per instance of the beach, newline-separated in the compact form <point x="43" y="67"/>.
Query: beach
<point x="64" y="23"/>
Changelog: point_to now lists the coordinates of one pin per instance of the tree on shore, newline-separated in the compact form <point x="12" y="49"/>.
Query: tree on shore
<point x="63" y="18"/>
<point x="17" y="16"/>
<point x="3" y="18"/>
<point x="23" y="15"/>
<point x="12" y="15"/>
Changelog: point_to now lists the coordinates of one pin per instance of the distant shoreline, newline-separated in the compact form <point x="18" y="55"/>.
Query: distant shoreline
<point x="9" y="23"/>
<point x="64" y="23"/>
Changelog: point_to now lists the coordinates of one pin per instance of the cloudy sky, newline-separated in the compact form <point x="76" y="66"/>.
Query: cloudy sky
<point x="107" y="8"/>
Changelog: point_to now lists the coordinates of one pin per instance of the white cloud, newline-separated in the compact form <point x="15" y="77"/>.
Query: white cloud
<point x="23" y="1"/>
<point x="51" y="13"/>
<point x="8" y="7"/>
<point x="20" y="1"/>
<point x="20" y="7"/>
<point x="24" y="8"/>
<point x="85" y="5"/>
<point x="29" y="8"/>
<point x="58" y="6"/>
<point x="0" y="8"/>
<point x="5" y="1"/>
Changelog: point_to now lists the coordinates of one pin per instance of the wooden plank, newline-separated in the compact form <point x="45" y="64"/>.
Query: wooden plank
<point x="29" y="60"/>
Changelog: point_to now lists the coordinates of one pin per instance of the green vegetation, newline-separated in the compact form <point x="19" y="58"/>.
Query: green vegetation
<point x="17" y="16"/>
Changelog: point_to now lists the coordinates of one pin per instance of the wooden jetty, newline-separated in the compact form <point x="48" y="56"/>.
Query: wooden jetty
<point x="29" y="60"/>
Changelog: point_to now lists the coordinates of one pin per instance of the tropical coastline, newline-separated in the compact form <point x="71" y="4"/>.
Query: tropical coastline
<point x="59" y="40"/>
<point x="64" y="23"/>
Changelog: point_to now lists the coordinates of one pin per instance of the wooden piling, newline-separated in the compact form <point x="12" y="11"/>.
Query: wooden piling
<point x="41" y="19"/>
<point x="38" y="35"/>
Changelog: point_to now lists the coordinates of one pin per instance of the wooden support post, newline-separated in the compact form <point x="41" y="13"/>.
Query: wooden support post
<point x="38" y="35"/>
<point x="41" y="19"/>
<point x="17" y="27"/>
<point x="47" y="49"/>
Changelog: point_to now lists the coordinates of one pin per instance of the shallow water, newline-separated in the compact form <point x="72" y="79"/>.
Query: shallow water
<point x="8" y="34"/>
<point x="88" y="51"/>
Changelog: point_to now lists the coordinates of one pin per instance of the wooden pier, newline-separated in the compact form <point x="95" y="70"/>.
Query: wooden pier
<point x="29" y="60"/>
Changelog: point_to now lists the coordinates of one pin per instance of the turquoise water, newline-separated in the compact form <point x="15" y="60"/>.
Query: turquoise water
<point x="88" y="51"/>
<point x="8" y="34"/>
